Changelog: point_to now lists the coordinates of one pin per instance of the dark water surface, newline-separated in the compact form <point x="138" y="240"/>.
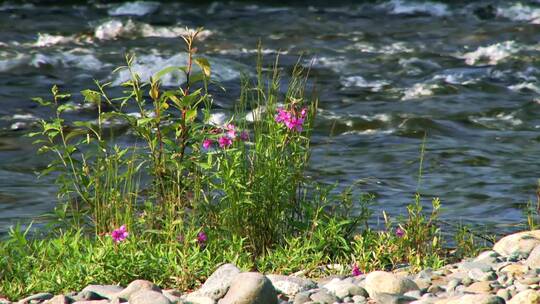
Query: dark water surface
<point x="464" y="72"/>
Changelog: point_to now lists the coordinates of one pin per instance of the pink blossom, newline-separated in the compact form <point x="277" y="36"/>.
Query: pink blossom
<point x="400" y="232"/>
<point x="231" y="131"/>
<point x="120" y="234"/>
<point x="356" y="271"/>
<point x="303" y="113"/>
<point x="224" y="141"/>
<point x="202" y="238"/>
<point x="282" y="115"/>
<point x="291" y="121"/>
<point x="207" y="143"/>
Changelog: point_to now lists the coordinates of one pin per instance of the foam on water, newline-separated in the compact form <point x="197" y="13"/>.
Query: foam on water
<point x="242" y="51"/>
<point x="20" y="121"/>
<point x="136" y="8"/>
<point x="359" y="81"/>
<point x="336" y="64"/>
<point x="525" y="86"/>
<point x="368" y="132"/>
<point x="419" y="90"/>
<point x="499" y="121"/>
<point x="391" y="49"/>
<point x="399" y="7"/>
<point x="147" y="65"/>
<point x="492" y="54"/>
<point x="461" y="76"/>
<point x="46" y="40"/>
<point x="520" y="12"/>
<point x="114" y="29"/>
<point x="67" y="59"/>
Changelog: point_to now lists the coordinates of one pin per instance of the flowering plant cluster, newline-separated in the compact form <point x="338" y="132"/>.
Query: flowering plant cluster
<point x="120" y="234"/>
<point x="228" y="135"/>
<point x="291" y="119"/>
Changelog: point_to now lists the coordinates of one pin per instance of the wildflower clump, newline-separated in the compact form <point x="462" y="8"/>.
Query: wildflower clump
<point x="120" y="234"/>
<point x="291" y="119"/>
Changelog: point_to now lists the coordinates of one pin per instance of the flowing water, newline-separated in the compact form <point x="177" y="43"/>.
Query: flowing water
<point x="387" y="72"/>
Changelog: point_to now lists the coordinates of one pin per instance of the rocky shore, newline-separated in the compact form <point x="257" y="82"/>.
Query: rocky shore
<point x="509" y="273"/>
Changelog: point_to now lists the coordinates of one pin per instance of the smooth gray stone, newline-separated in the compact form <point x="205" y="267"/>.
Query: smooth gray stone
<point x="148" y="297"/>
<point x="217" y="285"/>
<point x="104" y="291"/>
<point x="323" y="297"/>
<point x="39" y="296"/>
<point x="388" y="298"/>
<point x="250" y="288"/>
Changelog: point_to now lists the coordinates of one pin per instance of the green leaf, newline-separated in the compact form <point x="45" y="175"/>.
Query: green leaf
<point x="65" y="107"/>
<point x="191" y="114"/>
<point x="204" y="65"/>
<point x="144" y="121"/>
<point x="91" y="96"/>
<point x="41" y="101"/>
<point x="168" y="70"/>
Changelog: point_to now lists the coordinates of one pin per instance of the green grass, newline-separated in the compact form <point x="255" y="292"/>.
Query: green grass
<point x="250" y="197"/>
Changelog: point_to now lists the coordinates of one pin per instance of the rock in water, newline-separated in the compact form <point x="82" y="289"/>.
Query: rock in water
<point x="386" y="282"/>
<point x="250" y="288"/>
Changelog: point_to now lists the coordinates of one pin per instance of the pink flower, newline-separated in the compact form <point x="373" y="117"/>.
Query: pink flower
<point x="207" y="143"/>
<point x="231" y="131"/>
<point x="291" y="121"/>
<point x="224" y="142"/>
<point x="282" y="115"/>
<point x="244" y="136"/>
<point x="356" y="271"/>
<point x="303" y="113"/>
<point x="400" y="232"/>
<point x="120" y="234"/>
<point x="202" y="238"/>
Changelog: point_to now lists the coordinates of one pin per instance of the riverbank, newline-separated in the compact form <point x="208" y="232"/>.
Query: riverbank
<point x="507" y="273"/>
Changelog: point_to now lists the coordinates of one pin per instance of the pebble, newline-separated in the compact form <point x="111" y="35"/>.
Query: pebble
<point x="323" y="297"/>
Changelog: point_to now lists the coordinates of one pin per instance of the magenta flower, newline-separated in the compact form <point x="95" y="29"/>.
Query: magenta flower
<point x="202" y="238"/>
<point x="400" y="232"/>
<point x="207" y="143"/>
<point x="231" y="131"/>
<point x="244" y="136"/>
<point x="224" y="142"/>
<point x="283" y="115"/>
<point x="356" y="271"/>
<point x="303" y="113"/>
<point x="120" y="234"/>
<point x="291" y="121"/>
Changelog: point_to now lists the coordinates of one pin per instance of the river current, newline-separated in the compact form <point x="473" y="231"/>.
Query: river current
<point x="463" y="74"/>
